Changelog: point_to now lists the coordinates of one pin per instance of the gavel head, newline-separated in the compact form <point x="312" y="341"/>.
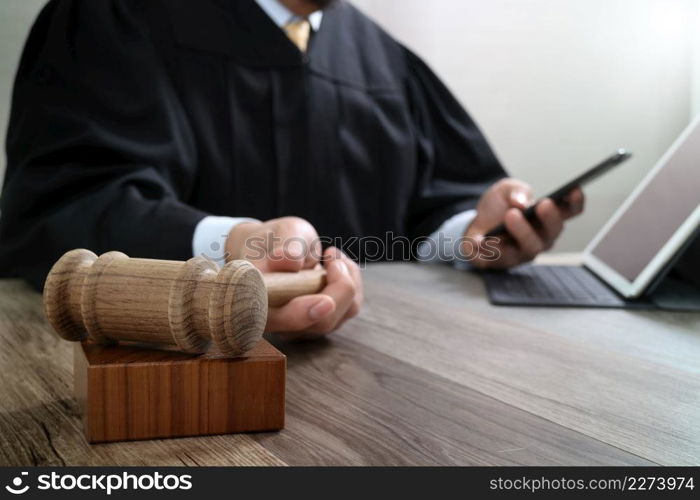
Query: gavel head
<point x="185" y="305"/>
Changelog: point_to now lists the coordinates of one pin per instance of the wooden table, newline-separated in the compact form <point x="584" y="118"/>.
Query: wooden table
<point x="430" y="373"/>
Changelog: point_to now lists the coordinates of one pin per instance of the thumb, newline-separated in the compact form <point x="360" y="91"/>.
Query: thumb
<point x="520" y="198"/>
<point x="300" y="313"/>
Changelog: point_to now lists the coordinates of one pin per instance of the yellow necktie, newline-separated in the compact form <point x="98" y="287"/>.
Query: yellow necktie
<point x="298" y="32"/>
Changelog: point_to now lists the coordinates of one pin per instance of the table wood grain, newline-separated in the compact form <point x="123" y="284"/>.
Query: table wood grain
<point x="428" y="374"/>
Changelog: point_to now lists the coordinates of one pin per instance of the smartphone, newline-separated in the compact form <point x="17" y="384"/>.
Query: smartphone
<point x="559" y="194"/>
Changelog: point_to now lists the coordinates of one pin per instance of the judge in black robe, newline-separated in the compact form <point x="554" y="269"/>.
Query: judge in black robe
<point x="132" y="120"/>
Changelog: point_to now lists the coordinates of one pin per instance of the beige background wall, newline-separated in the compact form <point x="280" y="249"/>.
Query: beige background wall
<point x="555" y="84"/>
<point x="559" y="84"/>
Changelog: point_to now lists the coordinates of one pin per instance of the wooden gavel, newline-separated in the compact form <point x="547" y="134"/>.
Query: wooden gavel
<point x="185" y="305"/>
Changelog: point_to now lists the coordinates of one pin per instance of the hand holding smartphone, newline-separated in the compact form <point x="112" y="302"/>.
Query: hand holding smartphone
<point x="559" y="195"/>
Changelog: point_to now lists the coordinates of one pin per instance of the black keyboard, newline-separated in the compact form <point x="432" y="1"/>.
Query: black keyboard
<point x="534" y="285"/>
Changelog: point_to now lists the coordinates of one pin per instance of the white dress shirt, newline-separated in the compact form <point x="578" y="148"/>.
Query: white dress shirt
<point x="210" y="235"/>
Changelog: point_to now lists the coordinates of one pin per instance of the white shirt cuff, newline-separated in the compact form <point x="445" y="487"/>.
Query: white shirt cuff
<point x="209" y="239"/>
<point x="443" y="245"/>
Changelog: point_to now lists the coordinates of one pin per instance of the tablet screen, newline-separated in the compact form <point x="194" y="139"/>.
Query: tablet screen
<point x="655" y="211"/>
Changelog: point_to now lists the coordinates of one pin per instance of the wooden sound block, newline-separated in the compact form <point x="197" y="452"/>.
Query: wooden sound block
<point x="127" y="392"/>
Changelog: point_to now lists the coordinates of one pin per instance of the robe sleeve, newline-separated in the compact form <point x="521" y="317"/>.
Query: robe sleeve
<point x="100" y="153"/>
<point x="456" y="164"/>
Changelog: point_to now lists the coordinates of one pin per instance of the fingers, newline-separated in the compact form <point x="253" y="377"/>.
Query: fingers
<point x="516" y="192"/>
<point x="574" y="205"/>
<point x="504" y="202"/>
<point x="520" y="195"/>
<point x="551" y="222"/>
<point x="296" y="245"/>
<point x="314" y="255"/>
<point x="322" y="313"/>
<point x="356" y="275"/>
<point x="501" y="256"/>
<point x="289" y="255"/>
<point x="493" y="204"/>
<point x="528" y="240"/>
<point x="299" y="313"/>
<point x="340" y="287"/>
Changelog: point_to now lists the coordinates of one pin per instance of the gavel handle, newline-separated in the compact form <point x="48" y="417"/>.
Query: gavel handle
<point x="283" y="287"/>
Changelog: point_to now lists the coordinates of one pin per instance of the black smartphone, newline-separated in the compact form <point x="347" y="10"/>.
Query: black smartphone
<point x="559" y="194"/>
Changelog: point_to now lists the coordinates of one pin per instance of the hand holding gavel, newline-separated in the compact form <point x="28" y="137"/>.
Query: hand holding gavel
<point x="186" y="305"/>
<point x="291" y="244"/>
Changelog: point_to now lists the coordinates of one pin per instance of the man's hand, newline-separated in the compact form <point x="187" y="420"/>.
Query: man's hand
<point x="283" y="244"/>
<point x="292" y="244"/>
<point x="320" y="314"/>
<point x="502" y="203"/>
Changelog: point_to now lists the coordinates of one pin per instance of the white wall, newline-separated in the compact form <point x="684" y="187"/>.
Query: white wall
<point x="555" y="84"/>
<point x="559" y="84"/>
<point x="695" y="20"/>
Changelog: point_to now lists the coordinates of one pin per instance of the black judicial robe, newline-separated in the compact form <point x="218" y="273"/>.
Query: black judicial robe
<point x="133" y="119"/>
